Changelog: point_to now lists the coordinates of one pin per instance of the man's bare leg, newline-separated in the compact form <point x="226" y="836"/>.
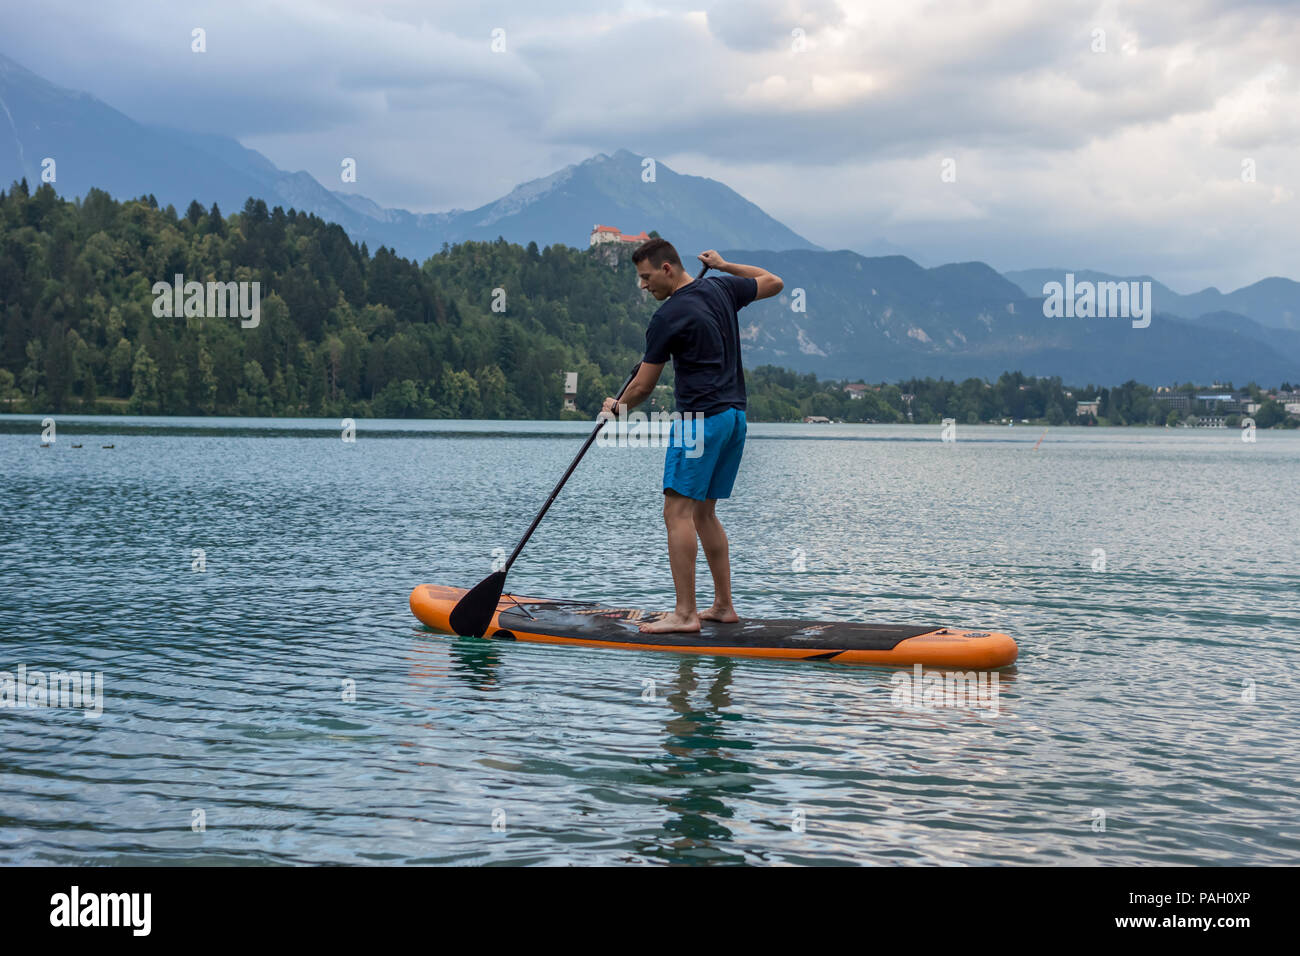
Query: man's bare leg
<point x="682" y="547"/>
<point x="717" y="551"/>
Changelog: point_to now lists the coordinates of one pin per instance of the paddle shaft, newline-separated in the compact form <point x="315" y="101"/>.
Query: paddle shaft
<point x="572" y="465"/>
<point x="569" y="471"/>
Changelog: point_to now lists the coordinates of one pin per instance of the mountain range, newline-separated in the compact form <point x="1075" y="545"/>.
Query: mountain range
<point x="1272" y="302"/>
<point x="95" y="145"/>
<point x="871" y="317"/>
<point x="842" y="314"/>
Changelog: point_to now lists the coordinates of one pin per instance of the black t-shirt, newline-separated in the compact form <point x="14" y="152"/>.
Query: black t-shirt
<point x="698" y="328"/>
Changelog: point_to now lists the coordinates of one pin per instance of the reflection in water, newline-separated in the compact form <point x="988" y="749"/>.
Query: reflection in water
<point x="476" y="660"/>
<point x="700" y="753"/>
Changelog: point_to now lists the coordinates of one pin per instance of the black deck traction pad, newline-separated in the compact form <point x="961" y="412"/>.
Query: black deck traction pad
<point x="619" y="625"/>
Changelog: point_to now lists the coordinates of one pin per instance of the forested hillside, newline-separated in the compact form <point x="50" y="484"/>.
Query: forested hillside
<point x="480" y="330"/>
<point x="341" y="331"/>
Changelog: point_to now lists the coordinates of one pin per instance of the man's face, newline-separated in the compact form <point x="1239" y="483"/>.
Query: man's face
<point x="658" y="281"/>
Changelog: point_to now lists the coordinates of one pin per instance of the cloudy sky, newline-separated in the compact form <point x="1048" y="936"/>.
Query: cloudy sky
<point x="1081" y="133"/>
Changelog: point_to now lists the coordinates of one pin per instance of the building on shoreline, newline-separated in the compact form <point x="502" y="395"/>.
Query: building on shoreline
<point x="570" y="391"/>
<point x="1224" y="404"/>
<point x="1174" y="401"/>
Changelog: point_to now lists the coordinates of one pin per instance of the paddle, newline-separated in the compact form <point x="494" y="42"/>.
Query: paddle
<point x="472" y="614"/>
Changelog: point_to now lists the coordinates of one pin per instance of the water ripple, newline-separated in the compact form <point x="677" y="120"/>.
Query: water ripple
<point x="282" y="707"/>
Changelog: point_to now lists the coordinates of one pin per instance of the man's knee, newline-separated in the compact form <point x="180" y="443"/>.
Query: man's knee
<point x="703" y="512"/>
<point x="677" y="506"/>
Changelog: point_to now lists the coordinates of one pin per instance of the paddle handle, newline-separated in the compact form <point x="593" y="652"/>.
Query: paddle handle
<point x="574" y="464"/>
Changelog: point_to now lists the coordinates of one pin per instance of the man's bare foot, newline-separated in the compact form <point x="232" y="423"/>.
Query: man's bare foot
<point x="723" y="615"/>
<point x="672" y="622"/>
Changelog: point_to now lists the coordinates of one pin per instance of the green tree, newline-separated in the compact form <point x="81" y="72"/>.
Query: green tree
<point x="33" y="372"/>
<point x="398" y="400"/>
<point x="89" y="391"/>
<point x="120" y="363"/>
<point x="254" y="397"/>
<point x="205" y="397"/>
<point x="1271" y="412"/>
<point x="144" y="383"/>
<point x="460" y="395"/>
<point x="498" y="399"/>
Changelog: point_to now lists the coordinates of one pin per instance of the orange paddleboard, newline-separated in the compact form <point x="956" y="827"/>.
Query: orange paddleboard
<point x="547" y="621"/>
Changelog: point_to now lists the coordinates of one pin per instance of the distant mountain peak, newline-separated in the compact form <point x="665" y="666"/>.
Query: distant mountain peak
<point x="523" y="195"/>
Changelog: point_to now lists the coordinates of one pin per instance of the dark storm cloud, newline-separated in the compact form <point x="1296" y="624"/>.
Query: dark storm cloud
<point x="841" y="139"/>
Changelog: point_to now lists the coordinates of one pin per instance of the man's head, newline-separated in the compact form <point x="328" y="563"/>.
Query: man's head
<point x="659" y="267"/>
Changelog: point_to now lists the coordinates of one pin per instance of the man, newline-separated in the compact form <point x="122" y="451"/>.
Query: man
<point x="698" y="328"/>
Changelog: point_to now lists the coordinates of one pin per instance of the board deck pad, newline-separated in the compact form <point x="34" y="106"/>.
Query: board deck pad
<point x="590" y="624"/>
<point x="621" y="625"/>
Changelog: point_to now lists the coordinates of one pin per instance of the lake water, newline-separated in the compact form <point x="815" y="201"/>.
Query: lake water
<point x="1149" y="576"/>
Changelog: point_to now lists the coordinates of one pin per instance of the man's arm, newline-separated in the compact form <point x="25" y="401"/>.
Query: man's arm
<point x="637" y="391"/>
<point x="768" y="284"/>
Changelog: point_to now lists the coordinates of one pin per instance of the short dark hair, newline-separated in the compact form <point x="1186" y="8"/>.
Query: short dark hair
<point x="658" y="251"/>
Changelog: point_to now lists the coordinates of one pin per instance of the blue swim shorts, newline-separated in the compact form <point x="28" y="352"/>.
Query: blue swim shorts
<point x="704" y="454"/>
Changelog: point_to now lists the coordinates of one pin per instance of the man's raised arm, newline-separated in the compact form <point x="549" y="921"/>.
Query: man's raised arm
<point x="768" y="284"/>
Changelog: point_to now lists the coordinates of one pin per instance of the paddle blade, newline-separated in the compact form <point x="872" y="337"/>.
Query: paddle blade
<point x="473" y="613"/>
